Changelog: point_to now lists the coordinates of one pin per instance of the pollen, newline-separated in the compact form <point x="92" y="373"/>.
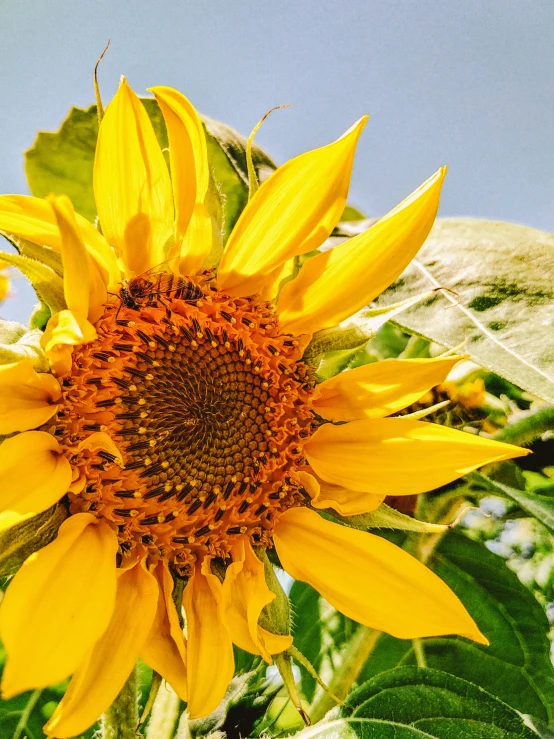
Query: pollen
<point x="208" y="404"/>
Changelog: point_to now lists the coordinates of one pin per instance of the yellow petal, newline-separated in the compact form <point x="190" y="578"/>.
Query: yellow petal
<point x="132" y="188"/>
<point x="369" y="579"/>
<point x="245" y="594"/>
<point x="63" y="331"/>
<point x="84" y="289"/>
<point x="58" y="605"/>
<point x="293" y="211"/>
<point x="337" y="283"/>
<point x="190" y="174"/>
<point x="97" y="682"/>
<point x="33" y="475"/>
<point x="272" y="283"/>
<point x="399" y="456"/>
<point x="33" y="219"/>
<point x="380" y="388"/>
<point x="100" y="440"/>
<point x="210" y="661"/>
<point x="27" y="399"/>
<point x="164" y="649"/>
<point x="346" y="502"/>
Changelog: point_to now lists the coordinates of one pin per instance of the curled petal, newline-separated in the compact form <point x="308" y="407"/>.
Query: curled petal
<point x="100" y="440"/>
<point x="164" y="649"/>
<point x="369" y="579"/>
<point x="208" y="643"/>
<point x="30" y="488"/>
<point x="335" y="284"/>
<point x="64" y="331"/>
<point x="399" y="456"/>
<point x="58" y="605"/>
<point x="33" y="219"/>
<point x="27" y="398"/>
<point x="132" y="188"/>
<point x="293" y="211"/>
<point x="380" y="388"/>
<point x="245" y="595"/>
<point x="98" y="680"/>
<point x="84" y="288"/>
<point x="346" y="502"/>
<point x="190" y="173"/>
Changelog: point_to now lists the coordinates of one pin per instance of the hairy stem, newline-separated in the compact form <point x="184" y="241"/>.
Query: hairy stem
<point x="165" y="713"/>
<point x="121" y="719"/>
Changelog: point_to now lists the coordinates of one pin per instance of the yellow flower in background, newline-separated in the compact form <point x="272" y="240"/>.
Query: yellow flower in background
<point x="186" y="434"/>
<point x="4" y="280"/>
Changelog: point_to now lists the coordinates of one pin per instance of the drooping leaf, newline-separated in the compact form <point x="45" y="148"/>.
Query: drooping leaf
<point x="502" y="308"/>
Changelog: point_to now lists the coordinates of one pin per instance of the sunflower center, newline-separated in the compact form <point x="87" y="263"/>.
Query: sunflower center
<point x="208" y="405"/>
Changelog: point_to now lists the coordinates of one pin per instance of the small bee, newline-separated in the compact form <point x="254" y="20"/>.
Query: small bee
<point x="148" y="289"/>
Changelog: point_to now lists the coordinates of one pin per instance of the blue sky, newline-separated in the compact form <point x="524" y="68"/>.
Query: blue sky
<point x="466" y="83"/>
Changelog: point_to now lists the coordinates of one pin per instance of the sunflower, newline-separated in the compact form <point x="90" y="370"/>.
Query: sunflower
<point x="185" y="435"/>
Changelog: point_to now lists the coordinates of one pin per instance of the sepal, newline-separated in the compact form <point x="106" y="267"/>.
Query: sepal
<point x="47" y="283"/>
<point x="356" y="330"/>
<point x="17" y="343"/>
<point x="386" y="517"/>
<point x="27" y="537"/>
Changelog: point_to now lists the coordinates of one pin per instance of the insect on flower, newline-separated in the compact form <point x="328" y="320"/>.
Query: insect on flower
<point x="149" y="287"/>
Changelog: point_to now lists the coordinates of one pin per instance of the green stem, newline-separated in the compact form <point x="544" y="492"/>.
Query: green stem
<point x="121" y="719"/>
<point x="417" y="646"/>
<point x="25" y="714"/>
<point x="354" y="658"/>
<point x="165" y="713"/>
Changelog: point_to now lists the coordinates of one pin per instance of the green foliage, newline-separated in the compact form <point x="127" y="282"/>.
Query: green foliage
<point x="432" y="703"/>
<point x="62" y="162"/>
<point x="503" y="290"/>
<point x="47" y="283"/>
<point x="17" y="343"/>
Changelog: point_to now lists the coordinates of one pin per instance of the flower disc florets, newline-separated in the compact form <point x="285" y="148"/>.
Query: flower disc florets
<point x="207" y="403"/>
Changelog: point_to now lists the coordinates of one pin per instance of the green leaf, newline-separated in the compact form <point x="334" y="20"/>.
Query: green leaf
<point x="17" y="343"/>
<point x="47" y="284"/>
<point x="516" y="667"/>
<point x="434" y="704"/>
<point x="416" y="703"/>
<point x="62" y="162"/>
<point x="539" y="506"/>
<point x="503" y="302"/>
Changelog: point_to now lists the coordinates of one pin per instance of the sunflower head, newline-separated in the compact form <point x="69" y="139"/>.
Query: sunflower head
<point x="184" y="433"/>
